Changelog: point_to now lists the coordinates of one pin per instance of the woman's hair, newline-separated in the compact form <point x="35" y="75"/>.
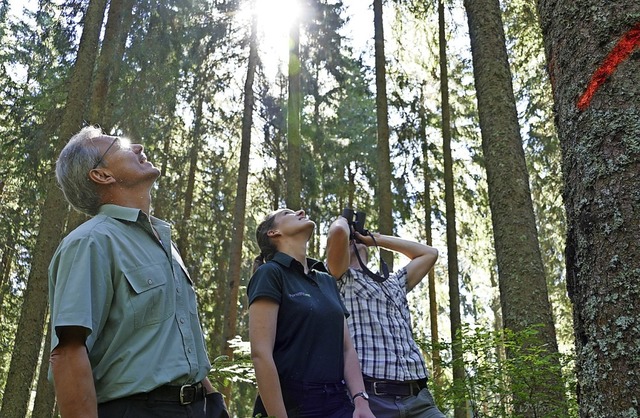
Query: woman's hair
<point x="267" y="247"/>
<point x="72" y="170"/>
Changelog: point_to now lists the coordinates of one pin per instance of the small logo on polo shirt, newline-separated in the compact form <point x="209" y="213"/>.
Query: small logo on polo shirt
<point x="296" y="295"/>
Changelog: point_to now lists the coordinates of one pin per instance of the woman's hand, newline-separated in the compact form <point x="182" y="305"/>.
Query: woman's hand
<point x="362" y="408"/>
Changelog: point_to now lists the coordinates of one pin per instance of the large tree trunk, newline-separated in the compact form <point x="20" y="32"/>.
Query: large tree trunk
<point x="110" y="54"/>
<point x="460" y="409"/>
<point x="110" y="103"/>
<point x="522" y="283"/>
<point x="597" y="103"/>
<point x="385" y="199"/>
<point x="294" y="110"/>
<point x="239" y="212"/>
<point x="31" y="325"/>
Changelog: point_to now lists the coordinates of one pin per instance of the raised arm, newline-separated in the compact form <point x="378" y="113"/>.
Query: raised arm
<point x="263" y="316"/>
<point x="338" y="247"/>
<point x="422" y="256"/>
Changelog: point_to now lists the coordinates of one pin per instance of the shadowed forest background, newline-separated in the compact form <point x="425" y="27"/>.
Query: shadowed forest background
<point x="436" y="118"/>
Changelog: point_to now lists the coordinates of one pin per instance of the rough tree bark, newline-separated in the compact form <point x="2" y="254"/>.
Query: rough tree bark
<point x="593" y="68"/>
<point x="460" y="408"/>
<point x="522" y="283"/>
<point x="385" y="199"/>
<point x="54" y="212"/>
<point x="239" y="211"/>
<point x="294" y="109"/>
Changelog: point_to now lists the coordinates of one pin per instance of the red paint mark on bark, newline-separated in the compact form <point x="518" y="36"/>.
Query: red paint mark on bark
<point x="619" y="53"/>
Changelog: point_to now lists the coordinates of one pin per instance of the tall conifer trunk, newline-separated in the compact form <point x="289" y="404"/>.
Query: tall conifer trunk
<point x="436" y="375"/>
<point x="184" y="227"/>
<point x="385" y="199"/>
<point x="239" y="211"/>
<point x="460" y="409"/>
<point x="592" y="52"/>
<point x="28" y="340"/>
<point x="523" y="288"/>
<point x="294" y="109"/>
<point x="45" y="402"/>
<point x="109" y="60"/>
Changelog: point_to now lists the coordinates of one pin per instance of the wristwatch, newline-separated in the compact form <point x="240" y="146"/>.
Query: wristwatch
<point x="363" y="394"/>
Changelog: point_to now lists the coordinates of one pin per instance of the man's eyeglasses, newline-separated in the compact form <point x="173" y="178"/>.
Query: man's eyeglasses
<point x="105" y="153"/>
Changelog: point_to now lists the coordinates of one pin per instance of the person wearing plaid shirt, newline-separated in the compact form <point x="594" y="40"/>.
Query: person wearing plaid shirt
<point x="393" y="367"/>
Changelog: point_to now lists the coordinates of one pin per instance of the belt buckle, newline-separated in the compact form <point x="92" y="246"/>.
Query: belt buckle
<point x="192" y="393"/>
<point x="375" y="389"/>
<point x="415" y="388"/>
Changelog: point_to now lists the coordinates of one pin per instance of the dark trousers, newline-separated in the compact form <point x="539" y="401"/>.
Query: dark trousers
<point x="139" y="408"/>
<point x="312" y="400"/>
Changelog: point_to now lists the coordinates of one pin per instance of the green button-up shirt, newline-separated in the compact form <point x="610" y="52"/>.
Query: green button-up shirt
<point x="132" y="293"/>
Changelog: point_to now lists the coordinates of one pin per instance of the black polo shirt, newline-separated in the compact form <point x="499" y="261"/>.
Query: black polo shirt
<point x="309" y="339"/>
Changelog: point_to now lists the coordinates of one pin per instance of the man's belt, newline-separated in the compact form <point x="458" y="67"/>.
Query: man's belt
<point x="184" y="395"/>
<point x="391" y="388"/>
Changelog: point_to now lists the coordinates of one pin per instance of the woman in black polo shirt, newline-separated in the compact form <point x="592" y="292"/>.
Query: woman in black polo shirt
<point x="300" y="345"/>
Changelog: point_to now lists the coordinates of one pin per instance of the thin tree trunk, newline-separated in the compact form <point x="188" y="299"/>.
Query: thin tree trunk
<point x="523" y="287"/>
<point x="453" y="269"/>
<point x="351" y="186"/>
<point x="592" y="54"/>
<point x="45" y="402"/>
<point x="294" y="109"/>
<point x="460" y="408"/>
<point x="183" y="228"/>
<point x="385" y="199"/>
<point x="235" y="259"/>
<point x="5" y="269"/>
<point x="433" y="303"/>
<point x="162" y="200"/>
<point x="33" y="313"/>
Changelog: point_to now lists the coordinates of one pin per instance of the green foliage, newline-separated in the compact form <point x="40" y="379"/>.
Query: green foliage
<point x="494" y="383"/>
<point x="238" y="372"/>
<point x="240" y="369"/>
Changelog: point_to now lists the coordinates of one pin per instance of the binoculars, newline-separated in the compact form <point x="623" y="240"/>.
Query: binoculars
<point x="356" y="221"/>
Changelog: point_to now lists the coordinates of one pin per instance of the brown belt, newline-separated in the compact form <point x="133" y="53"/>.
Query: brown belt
<point x="391" y="388"/>
<point x="184" y="395"/>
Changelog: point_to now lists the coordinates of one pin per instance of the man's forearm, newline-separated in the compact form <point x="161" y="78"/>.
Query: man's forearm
<point x="73" y="381"/>
<point x="411" y="249"/>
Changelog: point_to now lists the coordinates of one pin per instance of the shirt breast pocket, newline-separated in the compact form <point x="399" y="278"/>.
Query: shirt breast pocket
<point x="367" y="291"/>
<point x="151" y="297"/>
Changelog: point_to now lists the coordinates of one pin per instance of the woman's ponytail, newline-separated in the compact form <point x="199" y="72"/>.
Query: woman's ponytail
<point x="257" y="262"/>
<point x="267" y="248"/>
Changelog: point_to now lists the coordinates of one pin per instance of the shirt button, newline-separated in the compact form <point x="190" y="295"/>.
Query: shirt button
<point x="178" y="289"/>
<point x="150" y="281"/>
<point x="182" y="320"/>
<point x="189" y="350"/>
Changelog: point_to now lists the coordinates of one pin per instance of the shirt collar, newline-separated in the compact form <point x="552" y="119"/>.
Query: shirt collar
<point x="128" y="214"/>
<point x="120" y="212"/>
<point x="288" y="261"/>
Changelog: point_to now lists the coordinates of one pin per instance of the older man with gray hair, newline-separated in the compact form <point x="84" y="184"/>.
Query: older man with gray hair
<point x="126" y="338"/>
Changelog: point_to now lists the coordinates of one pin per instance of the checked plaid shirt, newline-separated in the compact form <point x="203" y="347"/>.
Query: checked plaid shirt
<point x="380" y="325"/>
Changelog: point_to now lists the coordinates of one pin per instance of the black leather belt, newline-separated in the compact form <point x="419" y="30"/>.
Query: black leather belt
<point x="184" y="395"/>
<point x="391" y="388"/>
